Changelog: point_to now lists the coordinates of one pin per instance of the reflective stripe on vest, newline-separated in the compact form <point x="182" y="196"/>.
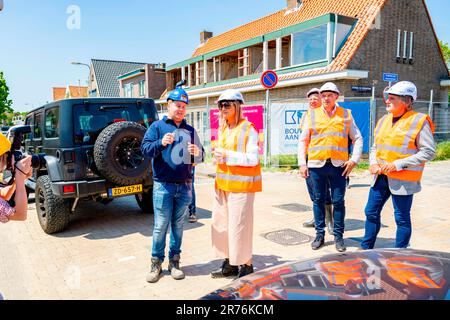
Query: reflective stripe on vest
<point x="320" y="148"/>
<point x="329" y="135"/>
<point x="224" y="176"/>
<point x="237" y="178"/>
<point x="397" y="141"/>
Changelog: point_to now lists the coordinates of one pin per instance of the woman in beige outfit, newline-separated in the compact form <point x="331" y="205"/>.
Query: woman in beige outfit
<point x="238" y="177"/>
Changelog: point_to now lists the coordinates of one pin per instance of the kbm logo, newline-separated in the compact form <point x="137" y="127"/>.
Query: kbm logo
<point x="293" y="116"/>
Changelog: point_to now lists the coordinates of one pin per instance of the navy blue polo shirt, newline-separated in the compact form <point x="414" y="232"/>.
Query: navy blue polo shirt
<point x="171" y="163"/>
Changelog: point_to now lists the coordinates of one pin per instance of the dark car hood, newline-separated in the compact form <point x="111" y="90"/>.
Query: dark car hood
<point x="382" y="274"/>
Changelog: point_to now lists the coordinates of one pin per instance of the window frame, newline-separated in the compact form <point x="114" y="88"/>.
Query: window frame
<point x="35" y="117"/>
<point x="328" y="49"/>
<point x="142" y="88"/>
<point x="57" y="123"/>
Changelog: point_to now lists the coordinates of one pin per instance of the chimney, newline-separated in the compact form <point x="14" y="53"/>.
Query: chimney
<point x="205" y="35"/>
<point x="292" y="4"/>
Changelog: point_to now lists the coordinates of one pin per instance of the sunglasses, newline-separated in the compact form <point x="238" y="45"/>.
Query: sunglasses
<point x="225" y="104"/>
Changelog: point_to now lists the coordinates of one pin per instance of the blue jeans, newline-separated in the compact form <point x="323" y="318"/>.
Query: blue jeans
<point x="310" y="186"/>
<point x="378" y="196"/>
<point x="192" y="207"/>
<point x="170" y="202"/>
<point x="321" y="177"/>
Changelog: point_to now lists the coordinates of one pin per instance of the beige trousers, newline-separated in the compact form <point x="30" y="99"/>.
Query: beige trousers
<point x="232" y="226"/>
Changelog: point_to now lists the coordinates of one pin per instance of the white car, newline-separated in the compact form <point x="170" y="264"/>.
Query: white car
<point x="4" y="129"/>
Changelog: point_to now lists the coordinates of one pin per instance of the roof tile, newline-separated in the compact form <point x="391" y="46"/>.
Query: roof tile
<point x="364" y="10"/>
<point x="106" y="73"/>
<point x="59" y="93"/>
<point x="78" y="92"/>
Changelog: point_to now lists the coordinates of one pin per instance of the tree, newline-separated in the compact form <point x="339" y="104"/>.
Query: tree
<point x="5" y="103"/>
<point x="445" y="51"/>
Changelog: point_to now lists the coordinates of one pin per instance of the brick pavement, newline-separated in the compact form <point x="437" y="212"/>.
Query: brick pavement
<point x="105" y="252"/>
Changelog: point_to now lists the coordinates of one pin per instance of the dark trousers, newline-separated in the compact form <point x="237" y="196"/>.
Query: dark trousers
<point x="321" y="177"/>
<point x="378" y="196"/>
<point x="310" y="186"/>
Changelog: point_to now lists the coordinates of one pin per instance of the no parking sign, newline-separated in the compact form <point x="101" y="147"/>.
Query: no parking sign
<point x="269" y="79"/>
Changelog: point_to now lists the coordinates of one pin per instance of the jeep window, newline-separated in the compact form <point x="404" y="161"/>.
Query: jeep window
<point x="37" y="131"/>
<point x="28" y="121"/>
<point x="90" y="120"/>
<point x="51" y="123"/>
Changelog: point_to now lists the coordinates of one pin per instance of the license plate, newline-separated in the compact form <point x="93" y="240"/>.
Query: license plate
<point x="124" y="191"/>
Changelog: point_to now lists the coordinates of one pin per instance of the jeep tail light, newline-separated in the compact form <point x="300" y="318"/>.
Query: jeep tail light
<point x="119" y="120"/>
<point x="69" y="188"/>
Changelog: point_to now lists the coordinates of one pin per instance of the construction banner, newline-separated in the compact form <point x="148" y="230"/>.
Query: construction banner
<point x="254" y="114"/>
<point x="285" y="127"/>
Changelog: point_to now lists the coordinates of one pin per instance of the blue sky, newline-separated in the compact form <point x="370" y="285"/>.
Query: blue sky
<point x="36" y="46"/>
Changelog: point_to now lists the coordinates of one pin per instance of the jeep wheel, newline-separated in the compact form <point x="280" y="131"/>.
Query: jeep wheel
<point x="145" y="201"/>
<point x="53" y="211"/>
<point x="118" y="156"/>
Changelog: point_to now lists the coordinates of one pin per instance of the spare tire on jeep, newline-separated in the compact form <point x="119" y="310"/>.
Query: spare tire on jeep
<point x="118" y="156"/>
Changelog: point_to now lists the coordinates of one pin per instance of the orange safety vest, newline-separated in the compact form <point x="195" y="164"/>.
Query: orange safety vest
<point x="412" y="270"/>
<point x="339" y="273"/>
<point x="329" y="136"/>
<point x="237" y="178"/>
<point x="398" y="141"/>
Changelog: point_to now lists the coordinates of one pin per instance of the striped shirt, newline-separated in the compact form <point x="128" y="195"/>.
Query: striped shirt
<point x="6" y="211"/>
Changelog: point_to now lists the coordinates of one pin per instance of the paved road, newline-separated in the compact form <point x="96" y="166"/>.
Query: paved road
<point x="105" y="252"/>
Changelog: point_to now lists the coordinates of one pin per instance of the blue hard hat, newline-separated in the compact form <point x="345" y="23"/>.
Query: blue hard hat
<point x="178" y="94"/>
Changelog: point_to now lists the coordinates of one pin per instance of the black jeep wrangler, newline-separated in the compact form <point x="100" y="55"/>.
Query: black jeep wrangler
<point x="92" y="153"/>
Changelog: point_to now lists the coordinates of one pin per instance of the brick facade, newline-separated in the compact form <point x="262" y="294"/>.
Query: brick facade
<point x="155" y="81"/>
<point x="377" y="53"/>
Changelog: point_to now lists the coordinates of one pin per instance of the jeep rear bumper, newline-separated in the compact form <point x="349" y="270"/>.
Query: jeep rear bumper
<point x="82" y="188"/>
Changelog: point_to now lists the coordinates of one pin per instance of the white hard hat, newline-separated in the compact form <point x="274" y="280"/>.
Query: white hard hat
<point x="330" y="86"/>
<point x="404" y="88"/>
<point x="312" y="91"/>
<point x="232" y="95"/>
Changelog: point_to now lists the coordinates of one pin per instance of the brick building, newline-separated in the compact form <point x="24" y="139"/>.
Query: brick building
<point x="146" y="82"/>
<point x="350" y="42"/>
<point x="109" y="78"/>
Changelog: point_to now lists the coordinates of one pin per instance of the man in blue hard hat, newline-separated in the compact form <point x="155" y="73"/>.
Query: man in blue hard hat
<point x="174" y="147"/>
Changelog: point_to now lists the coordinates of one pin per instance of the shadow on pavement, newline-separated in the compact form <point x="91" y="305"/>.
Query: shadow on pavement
<point x="380" y="243"/>
<point x="354" y="224"/>
<point x="259" y="262"/>
<point x="117" y="219"/>
<point x="359" y="185"/>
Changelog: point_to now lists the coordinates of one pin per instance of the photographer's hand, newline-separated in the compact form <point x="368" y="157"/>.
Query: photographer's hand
<point x="24" y="169"/>
<point x="22" y="172"/>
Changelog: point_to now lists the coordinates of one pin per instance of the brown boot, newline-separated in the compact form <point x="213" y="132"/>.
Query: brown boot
<point x="155" y="272"/>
